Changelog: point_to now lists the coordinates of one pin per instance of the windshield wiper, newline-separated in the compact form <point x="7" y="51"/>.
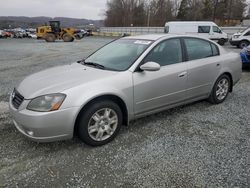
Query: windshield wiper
<point x="94" y="64"/>
<point x="81" y="61"/>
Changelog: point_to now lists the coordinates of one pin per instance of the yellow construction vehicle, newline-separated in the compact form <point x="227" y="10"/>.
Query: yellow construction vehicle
<point x="55" y="32"/>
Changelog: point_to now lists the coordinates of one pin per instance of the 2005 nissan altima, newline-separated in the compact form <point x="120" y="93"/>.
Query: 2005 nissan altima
<point x="128" y="78"/>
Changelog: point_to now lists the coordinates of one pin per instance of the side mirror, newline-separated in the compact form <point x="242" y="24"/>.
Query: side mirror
<point x="150" y="66"/>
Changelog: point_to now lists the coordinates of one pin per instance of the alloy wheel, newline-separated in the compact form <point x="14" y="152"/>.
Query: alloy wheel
<point x="222" y="89"/>
<point x="102" y="124"/>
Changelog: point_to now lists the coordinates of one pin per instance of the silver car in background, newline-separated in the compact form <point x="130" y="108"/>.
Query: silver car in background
<point x="126" y="79"/>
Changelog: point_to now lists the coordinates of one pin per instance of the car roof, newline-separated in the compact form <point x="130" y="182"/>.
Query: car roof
<point x="191" y="22"/>
<point x="153" y="37"/>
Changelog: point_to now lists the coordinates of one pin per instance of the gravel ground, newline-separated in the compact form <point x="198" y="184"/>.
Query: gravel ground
<point x="197" y="145"/>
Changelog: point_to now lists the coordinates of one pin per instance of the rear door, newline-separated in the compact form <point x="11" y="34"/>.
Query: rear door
<point x="203" y="66"/>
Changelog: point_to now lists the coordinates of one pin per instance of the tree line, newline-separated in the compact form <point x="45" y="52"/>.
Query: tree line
<point x="157" y="12"/>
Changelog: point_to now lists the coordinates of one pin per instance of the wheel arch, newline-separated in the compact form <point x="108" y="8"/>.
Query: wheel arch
<point x="231" y="80"/>
<point x="244" y="40"/>
<point x="118" y="100"/>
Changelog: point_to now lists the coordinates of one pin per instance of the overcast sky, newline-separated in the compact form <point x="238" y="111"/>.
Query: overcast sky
<point x="89" y="9"/>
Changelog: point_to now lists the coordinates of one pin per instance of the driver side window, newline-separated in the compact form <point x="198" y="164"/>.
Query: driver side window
<point x="166" y="53"/>
<point x="216" y="29"/>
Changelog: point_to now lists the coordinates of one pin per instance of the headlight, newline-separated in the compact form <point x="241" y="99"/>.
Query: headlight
<point x="46" y="103"/>
<point x="236" y="36"/>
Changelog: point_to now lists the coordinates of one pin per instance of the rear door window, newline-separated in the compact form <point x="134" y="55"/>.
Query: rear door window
<point x="215" y="49"/>
<point x="198" y="48"/>
<point x="204" y="29"/>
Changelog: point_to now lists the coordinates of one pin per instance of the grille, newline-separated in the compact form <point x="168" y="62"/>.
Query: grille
<point x="17" y="99"/>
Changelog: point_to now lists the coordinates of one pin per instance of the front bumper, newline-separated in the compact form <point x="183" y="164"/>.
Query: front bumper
<point x="45" y="126"/>
<point x="234" y="43"/>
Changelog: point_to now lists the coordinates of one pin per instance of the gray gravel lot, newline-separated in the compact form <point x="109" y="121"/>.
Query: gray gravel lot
<point x="197" y="145"/>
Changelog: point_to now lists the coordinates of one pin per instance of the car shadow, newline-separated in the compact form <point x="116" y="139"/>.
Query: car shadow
<point x="246" y="68"/>
<point x="135" y="129"/>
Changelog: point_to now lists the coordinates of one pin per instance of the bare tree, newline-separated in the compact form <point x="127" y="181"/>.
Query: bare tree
<point x="157" y="12"/>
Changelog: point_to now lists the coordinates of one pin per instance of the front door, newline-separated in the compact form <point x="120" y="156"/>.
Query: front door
<point x="154" y="90"/>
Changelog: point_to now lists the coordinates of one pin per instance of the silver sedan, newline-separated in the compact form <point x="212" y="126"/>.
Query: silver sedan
<point x="126" y="79"/>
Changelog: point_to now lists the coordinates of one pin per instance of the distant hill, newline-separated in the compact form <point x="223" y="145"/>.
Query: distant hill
<point x="26" y="22"/>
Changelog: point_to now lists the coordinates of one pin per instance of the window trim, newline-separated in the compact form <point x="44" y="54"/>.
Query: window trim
<point x="210" y="43"/>
<point x="182" y="53"/>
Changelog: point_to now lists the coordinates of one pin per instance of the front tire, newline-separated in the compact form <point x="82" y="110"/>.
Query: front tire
<point x="243" y="44"/>
<point x="50" y="37"/>
<point x="99" y="123"/>
<point x="67" y="38"/>
<point x="220" y="90"/>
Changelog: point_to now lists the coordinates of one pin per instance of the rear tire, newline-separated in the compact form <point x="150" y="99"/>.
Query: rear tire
<point x="221" y="42"/>
<point x="99" y="123"/>
<point x="220" y="90"/>
<point x="67" y="38"/>
<point x="50" y="37"/>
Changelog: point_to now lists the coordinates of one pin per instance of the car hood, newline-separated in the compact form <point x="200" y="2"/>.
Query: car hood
<point x="58" y="79"/>
<point x="237" y="34"/>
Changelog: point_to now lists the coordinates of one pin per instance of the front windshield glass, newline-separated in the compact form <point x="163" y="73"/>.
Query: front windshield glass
<point x="242" y="31"/>
<point x="120" y="54"/>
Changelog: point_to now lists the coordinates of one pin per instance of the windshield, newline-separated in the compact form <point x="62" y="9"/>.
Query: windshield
<point x="119" y="55"/>
<point x="242" y="31"/>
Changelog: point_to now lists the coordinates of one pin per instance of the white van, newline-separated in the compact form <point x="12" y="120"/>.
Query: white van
<point x="241" y="39"/>
<point x="204" y="29"/>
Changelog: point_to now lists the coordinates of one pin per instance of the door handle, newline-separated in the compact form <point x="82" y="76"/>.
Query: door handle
<point x="218" y="64"/>
<point x="182" y="74"/>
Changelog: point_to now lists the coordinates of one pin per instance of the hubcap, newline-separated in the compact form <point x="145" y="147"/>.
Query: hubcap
<point x="102" y="124"/>
<point x="222" y="89"/>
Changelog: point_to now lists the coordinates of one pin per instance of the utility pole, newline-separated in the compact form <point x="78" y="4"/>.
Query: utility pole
<point x="148" y="22"/>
